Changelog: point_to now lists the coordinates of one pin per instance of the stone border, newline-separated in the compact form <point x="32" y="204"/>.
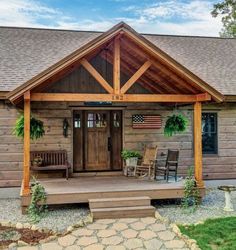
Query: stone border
<point x="191" y="243"/>
<point x="55" y="234"/>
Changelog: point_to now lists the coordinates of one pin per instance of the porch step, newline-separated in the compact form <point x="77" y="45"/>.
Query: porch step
<point x="123" y="212"/>
<point x="119" y="202"/>
<point x="124" y="207"/>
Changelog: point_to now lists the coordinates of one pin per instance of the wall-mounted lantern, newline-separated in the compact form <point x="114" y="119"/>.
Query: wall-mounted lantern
<point x="65" y="127"/>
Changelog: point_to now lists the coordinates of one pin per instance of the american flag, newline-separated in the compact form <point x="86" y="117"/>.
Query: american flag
<point x="146" y="121"/>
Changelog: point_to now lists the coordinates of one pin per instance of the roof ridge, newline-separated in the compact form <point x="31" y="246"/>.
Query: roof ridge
<point x="93" y="31"/>
<point x="51" y="29"/>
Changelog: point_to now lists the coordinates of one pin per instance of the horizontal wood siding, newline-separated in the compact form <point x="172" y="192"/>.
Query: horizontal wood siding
<point x="218" y="166"/>
<point x="11" y="148"/>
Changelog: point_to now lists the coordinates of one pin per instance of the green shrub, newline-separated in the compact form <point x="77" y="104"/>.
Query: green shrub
<point x="191" y="192"/>
<point x="37" y="207"/>
<point x="126" y="154"/>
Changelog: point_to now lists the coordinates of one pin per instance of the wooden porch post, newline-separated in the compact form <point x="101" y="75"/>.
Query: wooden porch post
<point x="26" y="169"/>
<point x="198" y="143"/>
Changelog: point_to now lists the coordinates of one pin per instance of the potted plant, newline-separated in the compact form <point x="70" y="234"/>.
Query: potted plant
<point x="176" y="123"/>
<point x="37" y="161"/>
<point x="36" y="128"/>
<point x="36" y="132"/>
<point x="130" y="157"/>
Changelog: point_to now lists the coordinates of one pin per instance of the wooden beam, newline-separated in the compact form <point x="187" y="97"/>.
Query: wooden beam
<point x="135" y="77"/>
<point x="86" y="97"/>
<point x="177" y="67"/>
<point x="96" y="75"/>
<point x="167" y="72"/>
<point x="198" y="143"/>
<point x="26" y="167"/>
<point x="116" y="66"/>
<point x="134" y="58"/>
<point x="127" y="69"/>
<point x="203" y="96"/>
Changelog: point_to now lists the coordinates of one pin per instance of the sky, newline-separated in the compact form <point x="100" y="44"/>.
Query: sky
<point x="182" y="17"/>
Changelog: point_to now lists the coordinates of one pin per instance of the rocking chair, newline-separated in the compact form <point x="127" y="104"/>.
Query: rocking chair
<point x="171" y="164"/>
<point x="147" y="166"/>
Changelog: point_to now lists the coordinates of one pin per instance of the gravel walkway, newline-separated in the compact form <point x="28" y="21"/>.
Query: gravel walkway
<point x="211" y="207"/>
<point x="57" y="219"/>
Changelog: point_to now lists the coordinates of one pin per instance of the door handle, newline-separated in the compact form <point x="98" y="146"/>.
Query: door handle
<point x="109" y="143"/>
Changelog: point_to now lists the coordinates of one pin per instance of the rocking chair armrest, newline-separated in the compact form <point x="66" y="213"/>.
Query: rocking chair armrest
<point x="158" y="160"/>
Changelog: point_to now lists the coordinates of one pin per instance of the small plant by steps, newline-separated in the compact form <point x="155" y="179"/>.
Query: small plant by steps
<point x="37" y="207"/>
<point x="191" y="193"/>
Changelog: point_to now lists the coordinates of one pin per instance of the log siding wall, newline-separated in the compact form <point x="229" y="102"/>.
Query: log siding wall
<point x="222" y="165"/>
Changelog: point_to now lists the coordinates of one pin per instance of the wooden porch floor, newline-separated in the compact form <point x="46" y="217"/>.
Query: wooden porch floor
<point x="81" y="189"/>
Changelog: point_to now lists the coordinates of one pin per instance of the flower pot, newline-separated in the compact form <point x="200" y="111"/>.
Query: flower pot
<point x="133" y="161"/>
<point x="37" y="161"/>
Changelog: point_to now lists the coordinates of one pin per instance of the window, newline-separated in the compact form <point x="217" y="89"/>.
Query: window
<point x="209" y="133"/>
<point x="77" y="123"/>
<point x="116" y="120"/>
<point x="97" y="120"/>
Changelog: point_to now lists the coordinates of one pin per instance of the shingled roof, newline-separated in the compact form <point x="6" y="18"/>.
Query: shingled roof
<point x="25" y="52"/>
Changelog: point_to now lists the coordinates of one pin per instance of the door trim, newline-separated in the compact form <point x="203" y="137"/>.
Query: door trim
<point x="83" y="108"/>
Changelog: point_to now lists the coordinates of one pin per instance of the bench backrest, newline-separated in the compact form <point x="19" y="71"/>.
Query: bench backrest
<point x="56" y="157"/>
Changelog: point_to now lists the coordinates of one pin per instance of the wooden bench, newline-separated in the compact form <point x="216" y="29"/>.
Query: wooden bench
<point x="52" y="160"/>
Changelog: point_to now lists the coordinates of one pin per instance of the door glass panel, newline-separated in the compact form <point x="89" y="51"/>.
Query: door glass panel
<point x="90" y="122"/>
<point x="97" y="120"/>
<point x="116" y="120"/>
<point x="101" y="120"/>
<point x="77" y="121"/>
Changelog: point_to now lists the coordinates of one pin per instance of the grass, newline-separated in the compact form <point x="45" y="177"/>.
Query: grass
<point x="214" y="234"/>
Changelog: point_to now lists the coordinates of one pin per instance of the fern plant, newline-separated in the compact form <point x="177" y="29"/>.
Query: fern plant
<point x="36" y="128"/>
<point x="176" y="123"/>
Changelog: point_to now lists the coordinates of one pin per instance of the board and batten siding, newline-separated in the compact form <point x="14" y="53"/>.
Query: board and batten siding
<point x="222" y="165"/>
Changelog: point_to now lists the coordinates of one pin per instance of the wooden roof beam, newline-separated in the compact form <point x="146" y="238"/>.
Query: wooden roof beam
<point x="144" y="82"/>
<point x="161" y="67"/>
<point x="135" y="76"/>
<point x="168" y="88"/>
<point x="96" y="75"/>
<point x="116" y="65"/>
<point x="86" y="97"/>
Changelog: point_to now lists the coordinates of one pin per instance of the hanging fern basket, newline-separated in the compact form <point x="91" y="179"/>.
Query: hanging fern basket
<point x="36" y="128"/>
<point x="176" y="123"/>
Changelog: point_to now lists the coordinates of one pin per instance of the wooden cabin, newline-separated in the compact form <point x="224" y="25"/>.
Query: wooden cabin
<point x="89" y="78"/>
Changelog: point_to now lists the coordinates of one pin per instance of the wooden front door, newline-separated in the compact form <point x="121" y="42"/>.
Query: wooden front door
<point x="97" y="140"/>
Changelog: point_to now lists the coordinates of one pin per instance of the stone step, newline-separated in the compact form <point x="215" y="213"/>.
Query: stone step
<point x="123" y="212"/>
<point x="119" y="202"/>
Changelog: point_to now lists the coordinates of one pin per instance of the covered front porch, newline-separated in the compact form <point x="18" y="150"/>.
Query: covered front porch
<point x="140" y="75"/>
<point x="84" y="188"/>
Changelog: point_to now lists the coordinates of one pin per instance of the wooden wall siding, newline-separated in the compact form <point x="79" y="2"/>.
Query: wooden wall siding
<point x="137" y="138"/>
<point x="80" y="81"/>
<point x="11" y="148"/>
<point x="53" y="115"/>
<point x="222" y="165"/>
<point x="218" y="166"/>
